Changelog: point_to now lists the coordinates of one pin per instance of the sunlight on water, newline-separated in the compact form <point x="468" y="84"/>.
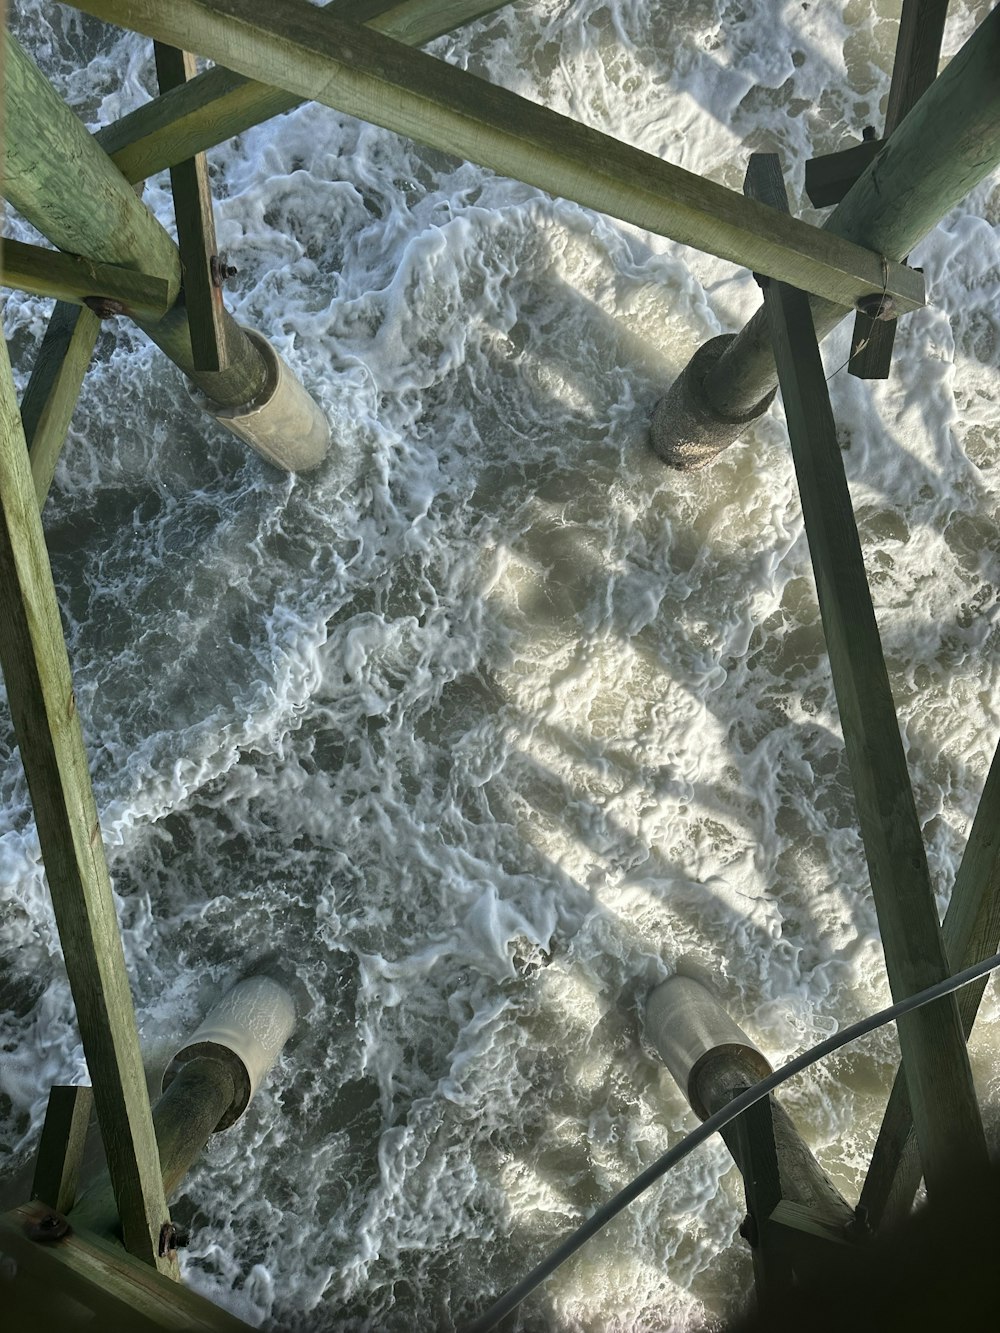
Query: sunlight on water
<point x="485" y="724"/>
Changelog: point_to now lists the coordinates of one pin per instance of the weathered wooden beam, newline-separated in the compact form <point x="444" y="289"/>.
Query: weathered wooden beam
<point x="918" y="55"/>
<point x="43" y="709"/>
<point x="72" y="278"/>
<point x="65" y="185"/>
<point x="947" y="144"/>
<point x="83" y="1282"/>
<point x="314" y="54"/>
<point x="218" y="104"/>
<point x="935" y="1059"/>
<point x="814" y="1248"/>
<point x="53" y="388"/>
<point x="830" y="176"/>
<point x="751" y="1137"/>
<point x="60" y="1149"/>
<point x="971" y="931"/>
<point x="195" y="229"/>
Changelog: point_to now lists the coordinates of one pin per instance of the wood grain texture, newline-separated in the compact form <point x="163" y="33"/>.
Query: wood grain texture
<point x="62" y="181"/>
<point x="72" y="278"/>
<point x="314" y="54"/>
<point x="54" y="387"/>
<point x="945" y="1108"/>
<point x="195" y="228"/>
<point x="218" y="104"/>
<point x="83" y="1282"/>
<point x="60" y="1149"/>
<point x="43" y="709"/>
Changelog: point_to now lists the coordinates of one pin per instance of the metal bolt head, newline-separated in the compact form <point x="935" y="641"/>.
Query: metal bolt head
<point x="8" y="1268"/>
<point x="748" y="1230"/>
<point x="104" y="306"/>
<point x="51" y="1226"/>
<point x="877" y="306"/>
<point x="220" y="269"/>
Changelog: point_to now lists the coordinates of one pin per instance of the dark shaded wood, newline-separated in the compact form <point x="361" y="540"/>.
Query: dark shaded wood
<point x="84" y="1282"/>
<point x="946" y="1112"/>
<point x="43" y="708"/>
<point x="755" y="1150"/>
<point x="60" y="1150"/>
<point x="971" y="932"/>
<point x="358" y="71"/>
<point x="195" y="229"/>
<point x="54" y="387"/>
<point x="914" y="69"/>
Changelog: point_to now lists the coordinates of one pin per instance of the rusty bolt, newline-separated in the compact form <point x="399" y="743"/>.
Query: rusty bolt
<point x="49" y="1227"/>
<point x="748" y="1230"/>
<point x="168" y="1240"/>
<point x="220" y="269"/>
<point x="104" y="306"/>
<point x="877" y="306"/>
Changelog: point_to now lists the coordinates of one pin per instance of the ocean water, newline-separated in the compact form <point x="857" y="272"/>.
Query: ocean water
<point x="482" y="726"/>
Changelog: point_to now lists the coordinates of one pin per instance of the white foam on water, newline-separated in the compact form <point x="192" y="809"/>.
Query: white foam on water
<point x="486" y="723"/>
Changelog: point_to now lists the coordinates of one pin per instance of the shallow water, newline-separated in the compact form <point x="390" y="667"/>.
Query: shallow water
<point x="481" y="727"/>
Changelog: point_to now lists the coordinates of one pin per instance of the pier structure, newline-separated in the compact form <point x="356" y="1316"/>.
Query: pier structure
<point x="113" y="258"/>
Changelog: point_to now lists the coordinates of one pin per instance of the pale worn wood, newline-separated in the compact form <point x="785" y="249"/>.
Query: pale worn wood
<point x="195" y="228"/>
<point x="914" y="69"/>
<point x="85" y="1282"/>
<point x="946" y="1112"/>
<point x="947" y="144"/>
<point x="971" y="931"/>
<point x="312" y="53"/>
<point x="219" y="104"/>
<point x="60" y="1150"/>
<point x="72" y="278"/>
<point x="43" y="708"/>
<point x="54" y="387"/>
<point x="58" y="177"/>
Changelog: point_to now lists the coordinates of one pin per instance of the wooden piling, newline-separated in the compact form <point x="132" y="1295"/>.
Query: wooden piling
<point x="945" y="1108"/>
<point x="63" y="183"/>
<point x="47" y="727"/>
<point x="312" y="53"/>
<point x="945" y="146"/>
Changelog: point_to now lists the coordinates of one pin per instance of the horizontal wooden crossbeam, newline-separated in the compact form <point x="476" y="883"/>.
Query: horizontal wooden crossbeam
<point x="44" y="272"/>
<point x="314" y="54"/>
<point x="218" y="104"/>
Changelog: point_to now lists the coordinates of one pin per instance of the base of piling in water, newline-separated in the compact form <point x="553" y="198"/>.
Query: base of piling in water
<point x="686" y="431"/>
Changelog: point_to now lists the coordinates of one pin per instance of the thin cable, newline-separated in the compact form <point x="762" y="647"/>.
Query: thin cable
<point x="712" y="1125"/>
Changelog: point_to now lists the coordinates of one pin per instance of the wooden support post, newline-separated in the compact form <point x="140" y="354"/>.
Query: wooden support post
<point x="828" y="178"/>
<point x="945" y="146"/>
<point x="195" y="229"/>
<point x="936" y="1062"/>
<point x="918" y="54"/>
<point x="110" y="287"/>
<point x="43" y="708"/>
<point x="219" y="104"/>
<point x="314" y="54"/>
<point x="751" y="1140"/>
<point x="60" y="1150"/>
<point x="184" y="1118"/>
<point x="48" y="401"/>
<point x="63" y="183"/>
<point x="971" y="931"/>
<point x="81" y="1282"/>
